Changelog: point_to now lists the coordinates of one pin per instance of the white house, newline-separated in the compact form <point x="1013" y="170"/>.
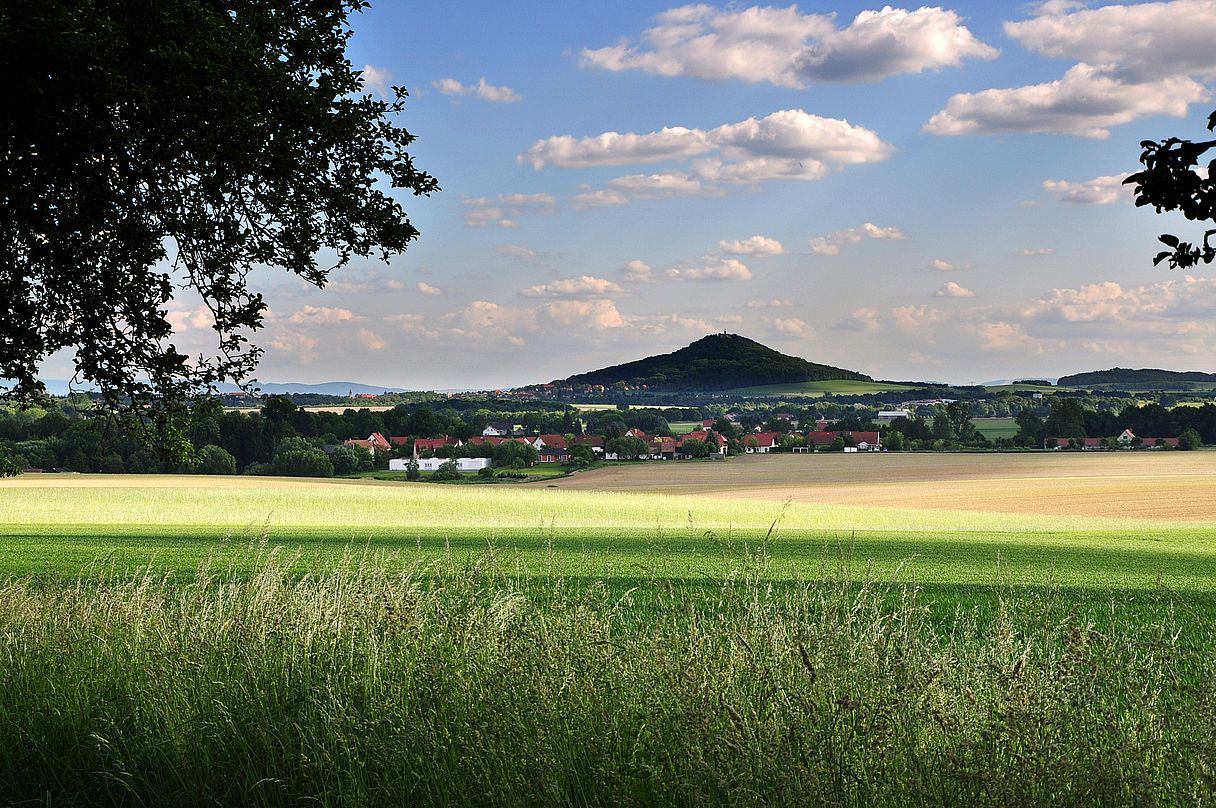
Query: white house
<point x="433" y="463"/>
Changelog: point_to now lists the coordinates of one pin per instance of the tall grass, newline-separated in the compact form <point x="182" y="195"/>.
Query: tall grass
<point x="370" y="683"/>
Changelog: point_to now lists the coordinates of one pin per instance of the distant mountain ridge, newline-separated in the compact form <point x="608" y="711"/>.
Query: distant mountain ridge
<point x="1142" y="377"/>
<point x="324" y="388"/>
<point x="715" y="362"/>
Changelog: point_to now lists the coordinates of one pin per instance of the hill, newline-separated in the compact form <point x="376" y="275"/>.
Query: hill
<point x="1141" y="379"/>
<point x="715" y="362"/>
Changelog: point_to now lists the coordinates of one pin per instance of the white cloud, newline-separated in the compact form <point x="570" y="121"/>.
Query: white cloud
<point x="793" y="325"/>
<point x="1030" y="252"/>
<point x="377" y="79"/>
<point x="832" y="242"/>
<point x="1003" y="336"/>
<point x="952" y="289"/>
<point x="787" y="135"/>
<point x="322" y="315"/>
<point x="711" y="268"/>
<point x="756" y="245"/>
<point x="598" y="199"/>
<point x="784" y="47"/>
<point x="597" y="314"/>
<point x="584" y="286"/>
<point x="297" y="344"/>
<point x="915" y="319"/>
<point x="426" y="289"/>
<point x="1087" y="101"/>
<point x="944" y="265"/>
<point x="502" y="211"/>
<point x="660" y="186"/>
<point x="1132" y="61"/>
<point x="186" y="319"/>
<point x="482" y="89"/>
<point x="371" y="340"/>
<point x="1182" y="299"/>
<point x="1162" y="38"/>
<point x="1098" y="191"/>
<point x="863" y="319"/>
<point x="516" y="251"/>
<point x="775" y="303"/>
<point x="638" y="271"/>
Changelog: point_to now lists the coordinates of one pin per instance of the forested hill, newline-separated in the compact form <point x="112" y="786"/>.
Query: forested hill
<point x="1144" y="378"/>
<point x="715" y="362"/>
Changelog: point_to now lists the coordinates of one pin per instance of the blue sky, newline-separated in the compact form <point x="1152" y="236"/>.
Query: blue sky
<point x="926" y="193"/>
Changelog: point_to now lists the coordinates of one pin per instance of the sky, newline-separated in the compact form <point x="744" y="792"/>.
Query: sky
<point x="926" y="193"/>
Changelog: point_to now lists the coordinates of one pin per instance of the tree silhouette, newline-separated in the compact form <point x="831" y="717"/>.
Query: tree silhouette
<point x="1173" y="180"/>
<point x="152" y="147"/>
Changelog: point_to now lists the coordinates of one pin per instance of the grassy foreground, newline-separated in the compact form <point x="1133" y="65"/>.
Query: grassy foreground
<point x="446" y="684"/>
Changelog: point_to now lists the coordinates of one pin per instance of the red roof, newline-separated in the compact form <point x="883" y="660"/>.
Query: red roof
<point x="769" y="439"/>
<point x="704" y="436"/>
<point x="431" y="444"/>
<point x="590" y="440"/>
<point x="821" y="438"/>
<point x="637" y="433"/>
<point x="708" y="422"/>
<point x="554" y="441"/>
<point x="379" y="441"/>
<point x="865" y="437"/>
<point x="399" y="440"/>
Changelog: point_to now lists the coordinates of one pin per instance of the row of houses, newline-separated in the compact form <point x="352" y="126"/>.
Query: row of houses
<point x="552" y="448"/>
<point x="1126" y="438"/>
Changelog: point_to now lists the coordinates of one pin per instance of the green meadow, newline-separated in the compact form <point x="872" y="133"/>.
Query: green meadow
<point x="65" y="525"/>
<point x="177" y="640"/>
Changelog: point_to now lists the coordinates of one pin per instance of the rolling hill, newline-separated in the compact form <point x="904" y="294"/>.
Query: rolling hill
<point x="715" y="362"/>
<point x="1139" y="379"/>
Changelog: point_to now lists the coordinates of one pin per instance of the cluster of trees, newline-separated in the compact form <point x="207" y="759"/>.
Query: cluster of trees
<point x="280" y="438"/>
<point x="1193" y="426"/>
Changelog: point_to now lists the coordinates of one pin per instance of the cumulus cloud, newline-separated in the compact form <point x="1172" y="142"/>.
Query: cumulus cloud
<point x="1182" y="299"/>
<point x="659" y="186"/>
<point x="505" y="208"/>
<point x="1098" y="191"/>
<point x="584" y="286"/>
<point x="377" y="79"/>
<point x="322" y="315"/>
<point x="793" y="325"/>
<point x="915" y="319"/>
<point x="370" y="340"/>
<point x="516" y="251"/>
<point x="1147" y="38"/>
<point x="602" y="198"/>
<point x="638" y="271"/>
<point x="775" y="303"/>
<point x="186" y="319"/>
<point x="1087" y="101"/>
<point x="783" y="138"/>
<point x="784" y="47"/>
<point x="952" y="289"/>
<point x="1002" y="336"/>
<point x="482" y="90"/>
<point x="863" y="319"/>
<point x="1133" y="61"/>
<point x="426" y="289"/>
<point x="944" y="265"/>
<point x="1031" y="252"/>
<point x="711" y="268"/>
<point x="597" y="314"/>
<point x="832" y="242"/>
<point x="756" y="245"/>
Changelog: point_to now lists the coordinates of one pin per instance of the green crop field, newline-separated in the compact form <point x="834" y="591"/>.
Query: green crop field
<point x="793" y="630"/>
<point x="846" y="387"/>
<point x="994" y="428"/>
<point x="64" y="524"/>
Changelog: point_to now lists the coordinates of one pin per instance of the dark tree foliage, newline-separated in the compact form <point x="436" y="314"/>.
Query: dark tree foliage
<point x="152" y="146"/>
<point x="1173" y="179"/>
